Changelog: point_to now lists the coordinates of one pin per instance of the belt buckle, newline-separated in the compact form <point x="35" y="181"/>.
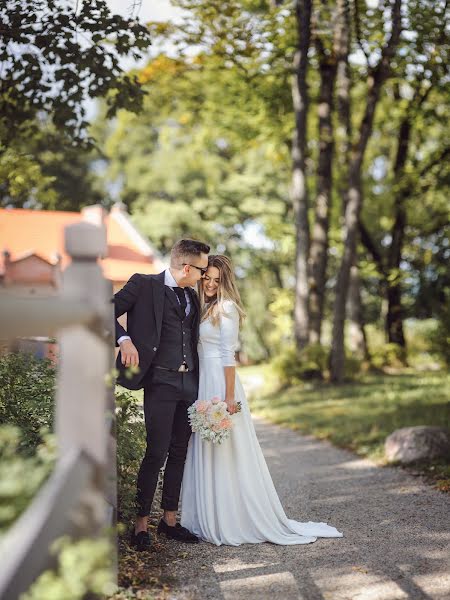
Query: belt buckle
<point x="183" y="369"/>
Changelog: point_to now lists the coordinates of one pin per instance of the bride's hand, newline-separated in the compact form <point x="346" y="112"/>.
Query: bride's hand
<point x="231" y="405"/>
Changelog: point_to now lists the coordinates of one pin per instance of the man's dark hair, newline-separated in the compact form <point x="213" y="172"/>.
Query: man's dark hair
<point x="186" y="249"/>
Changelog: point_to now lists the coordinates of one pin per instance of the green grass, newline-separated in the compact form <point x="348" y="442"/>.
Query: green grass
<point x="360" y="415"/>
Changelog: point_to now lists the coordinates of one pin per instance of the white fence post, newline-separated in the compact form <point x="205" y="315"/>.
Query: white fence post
<point x="84" y="365"/>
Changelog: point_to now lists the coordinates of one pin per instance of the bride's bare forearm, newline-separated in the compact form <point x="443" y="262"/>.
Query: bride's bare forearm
<point x="230" y="376"/>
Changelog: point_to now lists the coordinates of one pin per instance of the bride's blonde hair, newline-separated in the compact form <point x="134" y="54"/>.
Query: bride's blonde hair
<point x="227" y="290"/>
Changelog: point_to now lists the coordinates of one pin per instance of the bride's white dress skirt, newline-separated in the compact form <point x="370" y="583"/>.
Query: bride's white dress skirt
<point x="228" y="496"/>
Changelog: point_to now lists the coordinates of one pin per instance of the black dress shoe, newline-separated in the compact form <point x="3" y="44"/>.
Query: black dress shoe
<point x="141" y="541"/>
<point x="177" y="533"/>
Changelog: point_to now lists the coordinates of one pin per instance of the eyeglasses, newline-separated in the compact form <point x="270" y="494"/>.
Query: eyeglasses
<point x="201" y="269"/>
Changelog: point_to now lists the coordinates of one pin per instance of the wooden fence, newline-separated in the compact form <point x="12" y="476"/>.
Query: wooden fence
<point x="79" y="498"/>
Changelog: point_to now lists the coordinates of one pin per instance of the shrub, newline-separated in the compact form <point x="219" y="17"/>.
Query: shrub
<point x="27" y="389"/>
<point x="131" y="442"/>
<point x="440" y="337"/>
<point x="83" y="571"/>
<point x="388" y="355"/>
<point x="352" y="366"/>
<point x="440" y="343"/>
<point x="21" y="476"/>
<point x="293" y="367"/>
<point x="27" y="457"/>
<point x="83" y="565"/>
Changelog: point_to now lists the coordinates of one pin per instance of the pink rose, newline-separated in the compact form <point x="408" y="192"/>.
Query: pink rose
<point x="225" y="423"/>
<point x="201" y="406"/>
<point x="215" y="400"/>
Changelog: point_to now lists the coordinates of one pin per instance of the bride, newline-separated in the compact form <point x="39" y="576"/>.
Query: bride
<point x="228" y="496"/>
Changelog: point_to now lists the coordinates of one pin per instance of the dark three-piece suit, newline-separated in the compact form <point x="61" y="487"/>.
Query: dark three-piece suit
<point x="166" y="339"/>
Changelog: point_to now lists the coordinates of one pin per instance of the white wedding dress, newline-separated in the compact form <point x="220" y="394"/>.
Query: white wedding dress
<point x="228" y="496"/>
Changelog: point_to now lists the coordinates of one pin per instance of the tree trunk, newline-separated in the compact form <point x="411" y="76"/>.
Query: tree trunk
<point x="299" y="189"/>
<point x="357" y="336"/>
<point x="343" y="85"/>
<point x="319" y="242"/>
<point x="353" y="207"/>
<point x="376" y="79"/>
<point x="394" y="316"/>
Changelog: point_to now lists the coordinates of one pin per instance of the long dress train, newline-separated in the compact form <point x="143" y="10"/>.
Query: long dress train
<point x="228" y="496"/>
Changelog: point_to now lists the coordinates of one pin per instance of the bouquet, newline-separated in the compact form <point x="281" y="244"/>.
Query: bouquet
<point x="211" y="419"/>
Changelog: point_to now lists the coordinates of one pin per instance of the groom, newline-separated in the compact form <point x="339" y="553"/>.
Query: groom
<point x="163" y="316"/>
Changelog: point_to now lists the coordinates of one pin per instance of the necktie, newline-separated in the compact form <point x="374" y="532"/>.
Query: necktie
<point x="181" y="297"/>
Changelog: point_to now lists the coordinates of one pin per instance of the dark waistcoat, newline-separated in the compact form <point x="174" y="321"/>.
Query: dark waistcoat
<point x="176" y="344"/>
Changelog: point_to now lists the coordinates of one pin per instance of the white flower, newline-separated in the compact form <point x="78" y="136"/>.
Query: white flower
<point x="208" y="422"/>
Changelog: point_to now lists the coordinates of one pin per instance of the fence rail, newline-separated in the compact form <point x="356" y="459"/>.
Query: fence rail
<point x="79" y="498"/>
<point x="27" y="316"/>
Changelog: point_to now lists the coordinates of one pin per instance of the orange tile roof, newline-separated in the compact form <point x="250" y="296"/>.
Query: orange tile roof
<point x="41" y="232"/>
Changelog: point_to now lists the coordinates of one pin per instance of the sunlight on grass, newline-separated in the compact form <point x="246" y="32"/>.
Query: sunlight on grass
<point x="358" y="415"/>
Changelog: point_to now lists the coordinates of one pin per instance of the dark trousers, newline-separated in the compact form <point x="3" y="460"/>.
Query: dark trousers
<point x="167" y="396"/>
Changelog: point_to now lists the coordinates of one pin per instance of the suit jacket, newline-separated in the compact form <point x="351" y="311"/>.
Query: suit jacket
<point x="142" y="298"/>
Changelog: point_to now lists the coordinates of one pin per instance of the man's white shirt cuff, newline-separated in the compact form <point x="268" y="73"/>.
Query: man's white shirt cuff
<point x="123" y="338"/>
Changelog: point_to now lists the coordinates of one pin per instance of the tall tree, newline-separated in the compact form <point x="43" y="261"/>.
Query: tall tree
<point x="357" y="334"/>
<point x="299" y="189"/>
<point x="417" y="95"/>
<point x="377" y="75"/>
<point x="331" y="36"/>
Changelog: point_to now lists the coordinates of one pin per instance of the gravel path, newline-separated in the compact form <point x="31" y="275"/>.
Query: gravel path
<point x="396" y="544"/>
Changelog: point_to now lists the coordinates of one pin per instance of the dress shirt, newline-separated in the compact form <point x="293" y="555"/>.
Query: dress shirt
<point x="169" y="280"/>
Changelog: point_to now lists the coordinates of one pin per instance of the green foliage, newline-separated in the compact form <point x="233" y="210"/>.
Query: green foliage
<point x="22" y="179"/>
<point x="21" y="476"/>
<point x="27" y="397"/>
<point x="63" y="53"/>
<point x="27" y="450"/>
<point x="46" y="171"/>
<point x="131" y="442"/>
<point x="412" y="193"/>
<point x="209" y="155"/>
<point x="71" y="48"/>
<point x="84" y="567"/>
<point x="207" y="158"/>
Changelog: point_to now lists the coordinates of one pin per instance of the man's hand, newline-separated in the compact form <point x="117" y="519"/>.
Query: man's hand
<point x="129" y="354"/>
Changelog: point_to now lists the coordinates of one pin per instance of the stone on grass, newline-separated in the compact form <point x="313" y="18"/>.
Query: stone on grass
<point x="417" y="444"/>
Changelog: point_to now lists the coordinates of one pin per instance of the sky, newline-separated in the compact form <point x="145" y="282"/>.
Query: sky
<point x="150" y="10"/>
